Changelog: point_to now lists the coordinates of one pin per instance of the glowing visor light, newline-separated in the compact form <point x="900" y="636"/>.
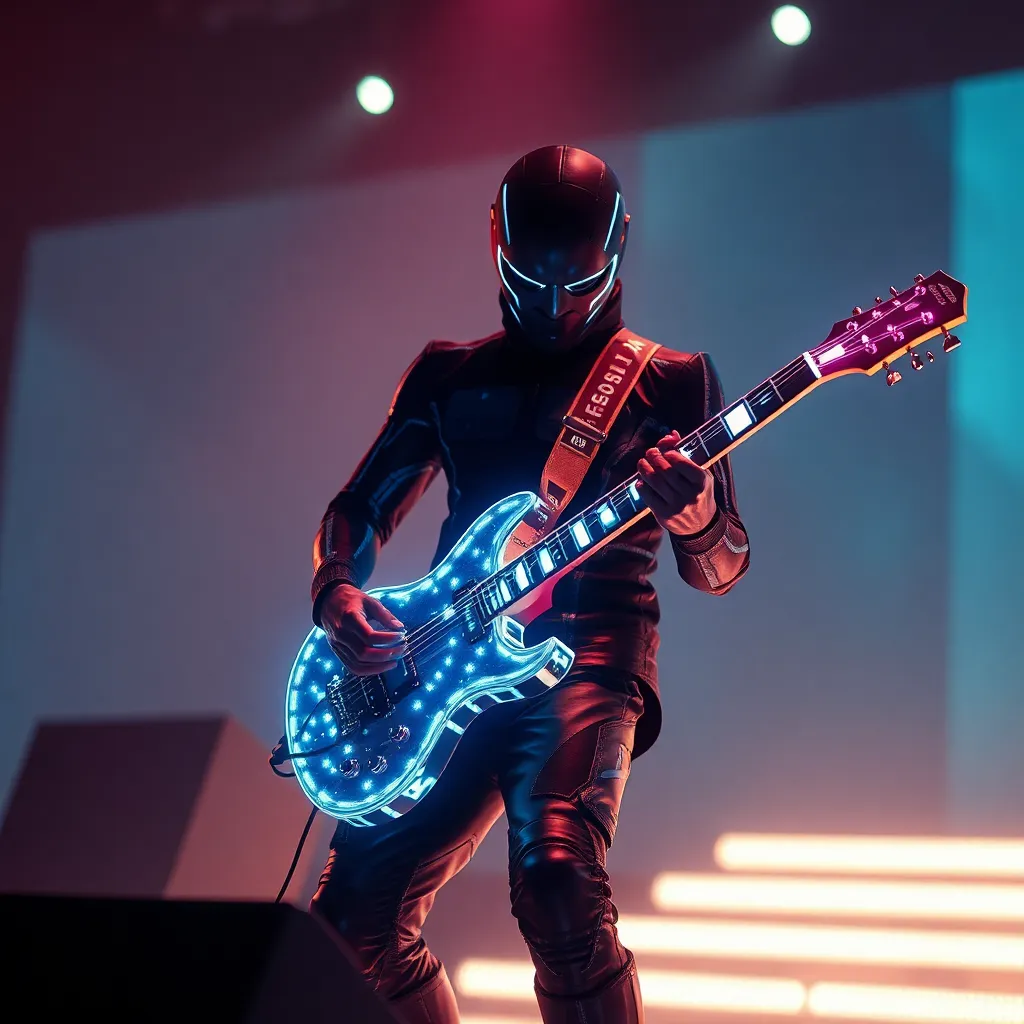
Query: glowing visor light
<point x="504" y="279"/>
<point x="595" y="302"/>
<point x="611" y="226"/>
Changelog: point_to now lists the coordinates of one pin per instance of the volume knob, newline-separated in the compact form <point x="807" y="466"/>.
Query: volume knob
<point x="350" y="768"/>
<point x="377" y="764"/>
<point x="398" y="733"/>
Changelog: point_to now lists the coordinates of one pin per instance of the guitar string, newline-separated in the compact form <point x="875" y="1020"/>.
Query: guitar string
<point x="487" y="588"/>
<point x="426" y="638"/>
<point x="432" y="636"/>
<point x="429" y="637"/>
<point x="490" y="589"/>
<point x="426" y="641"/>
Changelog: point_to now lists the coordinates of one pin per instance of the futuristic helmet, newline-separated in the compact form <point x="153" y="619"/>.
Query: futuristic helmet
<point x="558" y="234"/>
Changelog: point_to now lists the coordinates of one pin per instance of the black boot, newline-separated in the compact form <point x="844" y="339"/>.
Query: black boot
<point x="617" y="1002"/>
<point x="432" y="1003"/>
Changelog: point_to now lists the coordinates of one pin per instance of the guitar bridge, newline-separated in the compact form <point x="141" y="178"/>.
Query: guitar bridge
<point x="345" y="715"/>
<point x="356" y="698"/>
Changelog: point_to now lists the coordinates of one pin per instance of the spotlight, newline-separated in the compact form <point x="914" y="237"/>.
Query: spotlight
<point x="375" y="95"/>
<point x="790" y="25"/>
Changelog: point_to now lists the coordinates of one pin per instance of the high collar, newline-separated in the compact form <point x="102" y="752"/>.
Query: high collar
<point x="596" y="337"/>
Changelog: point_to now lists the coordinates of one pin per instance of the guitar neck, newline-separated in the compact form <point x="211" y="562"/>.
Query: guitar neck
<point x="580" y="537"/>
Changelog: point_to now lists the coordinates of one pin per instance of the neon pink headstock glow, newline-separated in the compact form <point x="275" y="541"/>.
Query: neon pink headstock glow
<point x="871" y="340"/>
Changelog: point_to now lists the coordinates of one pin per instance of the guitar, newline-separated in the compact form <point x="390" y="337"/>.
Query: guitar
<point x="368" y="749"/>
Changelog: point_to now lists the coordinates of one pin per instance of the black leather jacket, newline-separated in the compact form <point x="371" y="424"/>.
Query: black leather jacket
<point x="487" y="413"/>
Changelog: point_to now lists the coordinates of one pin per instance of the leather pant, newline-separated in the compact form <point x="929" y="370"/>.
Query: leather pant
<point x="557" y="765"/>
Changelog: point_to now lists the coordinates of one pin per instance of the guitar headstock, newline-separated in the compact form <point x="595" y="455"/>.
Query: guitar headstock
<point x="872" y="339"/>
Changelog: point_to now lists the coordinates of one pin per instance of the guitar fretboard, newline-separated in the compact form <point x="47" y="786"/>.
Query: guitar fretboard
<point x="577" y="537"/>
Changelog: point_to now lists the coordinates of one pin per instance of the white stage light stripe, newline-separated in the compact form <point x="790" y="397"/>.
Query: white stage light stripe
<point x="477" y="1018"/>
<point x="866" y="855"/>
<point x="914" y="1005"/>
<point x="753" y="940"/>
<point x="494" y="979"/>
<point x="734" y="993"/>
<point x="513" y="979"/>
<point x="751" y="894"/>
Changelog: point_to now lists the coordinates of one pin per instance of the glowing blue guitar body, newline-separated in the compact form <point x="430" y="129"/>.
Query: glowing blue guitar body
<point x="368" y="749"/>
<point x="385" y="739"/>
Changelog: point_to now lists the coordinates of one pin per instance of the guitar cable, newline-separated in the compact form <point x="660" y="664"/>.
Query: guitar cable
<point x="277" y="757"/>
<point x="298" y="853"/>
<point x="280" y="753"/>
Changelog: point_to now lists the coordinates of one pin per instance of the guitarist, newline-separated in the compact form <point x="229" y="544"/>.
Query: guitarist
<point x="487" y="413"/>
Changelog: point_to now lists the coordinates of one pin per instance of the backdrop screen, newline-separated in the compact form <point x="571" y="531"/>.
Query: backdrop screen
<point x="191" y="388"/>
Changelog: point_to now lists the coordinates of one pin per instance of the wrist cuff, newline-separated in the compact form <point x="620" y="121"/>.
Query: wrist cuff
<point x="701" y="543"/>
<point x="328" y="575"/>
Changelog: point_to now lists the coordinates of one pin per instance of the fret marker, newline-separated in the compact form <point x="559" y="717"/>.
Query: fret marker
<point x="812" y="364"/>
<point x="506" y="593"/>
<point x="606" y="514"/>
<point x="580" y="534"/>
<point x="547" y="565"/>
<point x="737" y="419"/>
<point x="522" y="580"/>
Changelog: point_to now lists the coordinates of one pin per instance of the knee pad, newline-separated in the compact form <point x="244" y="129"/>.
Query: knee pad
<point x="559" y="890"/>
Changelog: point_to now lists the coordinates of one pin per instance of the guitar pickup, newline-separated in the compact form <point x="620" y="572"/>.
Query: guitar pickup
<point x="376" y="699"/>
<point x="403" y="679"/>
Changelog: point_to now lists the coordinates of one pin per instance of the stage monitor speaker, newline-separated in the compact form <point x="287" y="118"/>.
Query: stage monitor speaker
<point x="121" y="960"/>
<point x="184" y="809"/>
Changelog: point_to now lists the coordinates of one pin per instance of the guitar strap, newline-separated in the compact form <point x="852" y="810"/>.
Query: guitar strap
<point x="585" y="427"/>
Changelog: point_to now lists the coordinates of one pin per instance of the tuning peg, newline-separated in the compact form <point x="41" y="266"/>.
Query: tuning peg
<point x="949" y="341"/>
<point x="893" y="290"/>
<point x="878" y="299"/>
<point x="929" y="357"/>
<point x="857" y="311"/>
<point x="916" y="361"/>
<point x="918" y="278"/>
<point x="891" y="376"/>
